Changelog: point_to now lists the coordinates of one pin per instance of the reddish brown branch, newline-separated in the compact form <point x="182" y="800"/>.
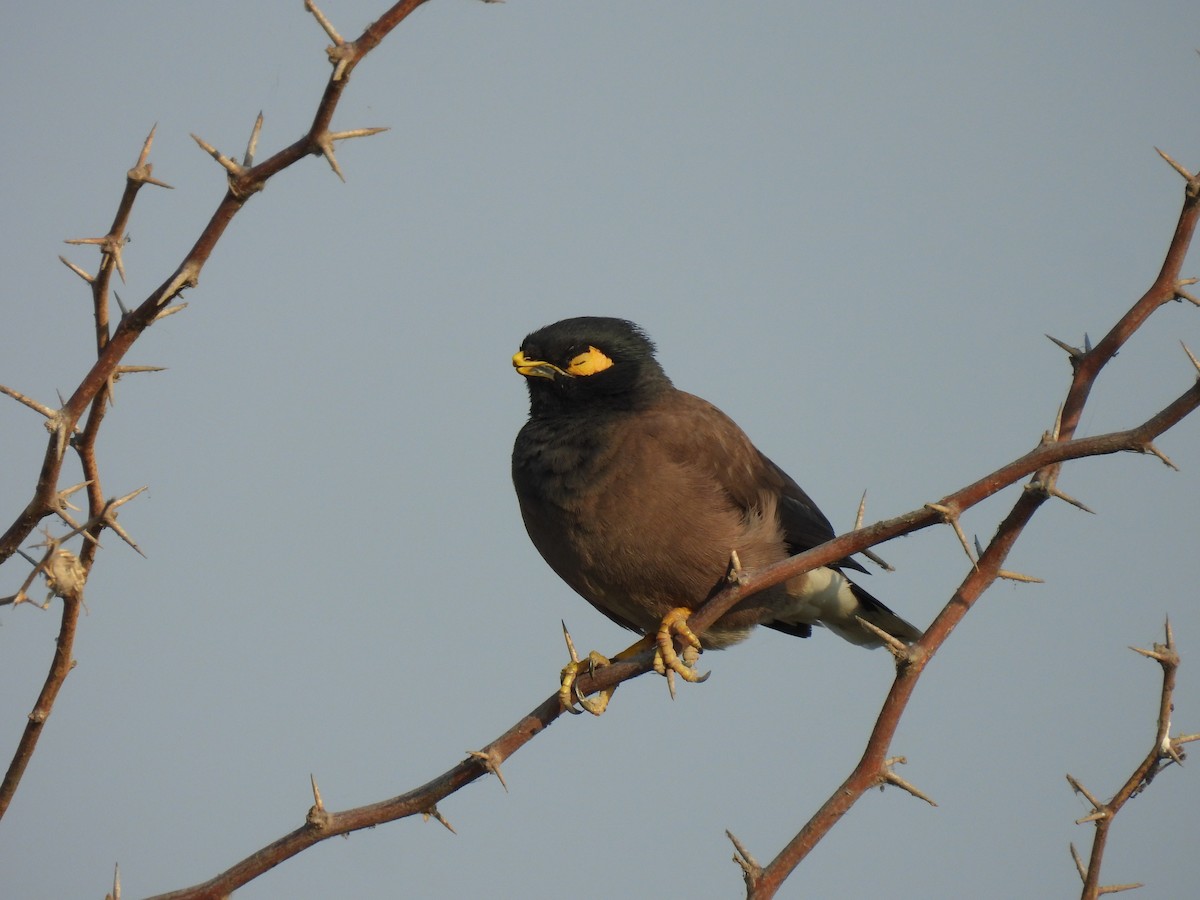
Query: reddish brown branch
<point x="60" y="667"/>
<point x="242" y="186"/>
<point x="85" y="444"/>
<point x="871" y="769"/>
<point x="1164" y="289"/>
<point x="1042" y="457"/>
<point x="1163" y="753"/>
<point x="321" y="824"/>
<point x="92" y="390"/>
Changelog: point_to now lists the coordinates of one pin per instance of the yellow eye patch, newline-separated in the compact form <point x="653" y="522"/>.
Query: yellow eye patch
<point x="589" y="363"/>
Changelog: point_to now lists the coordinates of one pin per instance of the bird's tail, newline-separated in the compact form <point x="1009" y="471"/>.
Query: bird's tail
<point x="875" y="612"/>
<point x="825" y="596"/>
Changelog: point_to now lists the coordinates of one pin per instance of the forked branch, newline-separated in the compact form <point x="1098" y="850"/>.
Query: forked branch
<point x="246" y="178"/>
<point x="1165" y="751"/>
<point x="91" y="394"/>
<point x="1044" y="462"/>
<point x="875" y="767"/>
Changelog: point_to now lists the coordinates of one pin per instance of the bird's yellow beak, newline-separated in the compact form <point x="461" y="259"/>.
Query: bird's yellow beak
<point x="589" y="362"/>
<point x="534" y="368"/>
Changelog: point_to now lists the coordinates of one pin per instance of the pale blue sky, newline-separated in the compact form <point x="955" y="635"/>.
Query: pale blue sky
<point x="848" y="226"/>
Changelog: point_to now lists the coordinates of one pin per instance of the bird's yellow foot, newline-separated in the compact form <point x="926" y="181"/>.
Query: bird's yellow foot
<point x="568" y="693"/>
<point x="666" y="661"/>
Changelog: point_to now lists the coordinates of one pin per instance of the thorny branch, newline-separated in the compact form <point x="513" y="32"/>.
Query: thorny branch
<point x="1045" y="462"/>
<point x="96" y="387"/>
<point x="1165" y="751"/>
<point x="243" y="183"/>
<point x="874" y="768"/>
<point x="244" y="180"/>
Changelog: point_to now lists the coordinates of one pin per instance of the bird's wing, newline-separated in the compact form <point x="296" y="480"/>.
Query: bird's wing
<point x="804" y="525"/>
<point x="714" y="441"/>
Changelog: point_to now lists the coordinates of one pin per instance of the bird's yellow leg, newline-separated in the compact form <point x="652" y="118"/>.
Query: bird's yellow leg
<point x="666" y="660"/>
<point x="568" y="694"/>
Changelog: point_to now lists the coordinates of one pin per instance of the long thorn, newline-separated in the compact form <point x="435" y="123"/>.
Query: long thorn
<point x="1150" y="448"/>
<point x="78" y="271"/>
<point x="252" y="147"/>
<point x="1074" y="352"/>
<point x="1018" y="576"/>
<point x="1188" y="176"/>
<point x="1078" y="863"/>
<point x="898" y="648"/>
<point x="317" y="801"/>
<point x="432" y="813"/>
<point x="950" y="517"/>
<point x="1195" y="362"/>
<point x="146" y="145"/>
<point x="1080" y="789"/>
<point x="27" y="401"/>
<point x="228" y="164"/>
<point x="890" y="777"/>
<point x="325" y="23"/>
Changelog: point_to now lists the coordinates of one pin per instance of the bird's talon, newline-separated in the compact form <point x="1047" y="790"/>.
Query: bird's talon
<point x="691" y="656"/>
<point x="666" y="660"/>
<point x="568" y="690"/>
<point x="595" y="707"/>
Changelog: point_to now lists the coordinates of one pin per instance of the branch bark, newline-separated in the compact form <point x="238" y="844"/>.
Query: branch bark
<point x="91" y="395"/>
<point x="1165" y="751"/>
<point x="320" y="824"/>
<point x="243" y="183"/>
<point x="244" y="180"/>
<point x="872" y="769"/>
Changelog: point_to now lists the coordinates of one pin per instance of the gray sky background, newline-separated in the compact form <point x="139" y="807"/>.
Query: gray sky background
<point x="847" y="225"/>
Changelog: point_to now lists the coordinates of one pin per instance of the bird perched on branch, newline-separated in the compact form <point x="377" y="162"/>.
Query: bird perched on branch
<point x="639" y="495"/>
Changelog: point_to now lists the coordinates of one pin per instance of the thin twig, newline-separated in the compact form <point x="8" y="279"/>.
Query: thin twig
<point x="1164" y="752"/>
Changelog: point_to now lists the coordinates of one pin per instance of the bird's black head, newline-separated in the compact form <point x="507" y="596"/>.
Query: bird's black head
<point x="589" y="363"/>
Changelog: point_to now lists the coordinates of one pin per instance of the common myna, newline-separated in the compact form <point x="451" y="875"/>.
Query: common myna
<point x="639" y="495"/>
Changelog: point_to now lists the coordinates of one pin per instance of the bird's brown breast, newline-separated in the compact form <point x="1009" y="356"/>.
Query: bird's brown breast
<point x="634" y="513"/>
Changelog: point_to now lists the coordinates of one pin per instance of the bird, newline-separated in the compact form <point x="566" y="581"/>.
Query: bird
<point x="639" y="495"/>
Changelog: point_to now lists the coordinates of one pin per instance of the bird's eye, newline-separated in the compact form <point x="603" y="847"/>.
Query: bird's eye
<point x="589" y="362"/>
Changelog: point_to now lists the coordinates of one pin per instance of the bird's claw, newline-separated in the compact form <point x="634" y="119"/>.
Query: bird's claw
<point x="669" y="663"/>
<point x="568" y="691"/>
